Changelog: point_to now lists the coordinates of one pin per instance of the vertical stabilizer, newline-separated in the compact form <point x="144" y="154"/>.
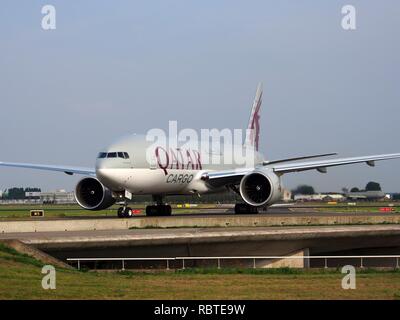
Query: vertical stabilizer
<point x="253" y="128"/>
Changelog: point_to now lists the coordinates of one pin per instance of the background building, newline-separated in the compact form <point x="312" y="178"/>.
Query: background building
<point x="320" y="197"/>
<point x="32" y="195"/>
<point x="366" y="195"/>
<point x="57" y="197"/>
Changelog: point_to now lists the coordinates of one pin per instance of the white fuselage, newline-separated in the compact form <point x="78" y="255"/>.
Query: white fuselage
<point x="153" y="169"/>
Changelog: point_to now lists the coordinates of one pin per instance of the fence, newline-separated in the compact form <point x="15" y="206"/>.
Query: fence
<point x="253" y="259"/>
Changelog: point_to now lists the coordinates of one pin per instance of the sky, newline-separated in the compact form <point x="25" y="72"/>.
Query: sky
<point x="111" y="68"/>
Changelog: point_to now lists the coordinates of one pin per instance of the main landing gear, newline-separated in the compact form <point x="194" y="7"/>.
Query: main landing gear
<point x="159" y="209"/>
<point x="244" y="208"/>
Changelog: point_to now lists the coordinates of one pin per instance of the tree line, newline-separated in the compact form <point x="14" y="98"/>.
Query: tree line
<point x="309" y="190"/>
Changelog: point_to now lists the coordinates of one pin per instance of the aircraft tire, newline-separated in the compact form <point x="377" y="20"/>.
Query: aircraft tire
<point x="243" y="208"/>
<point x="158" y="211"/>
<point x="120" y="212"/>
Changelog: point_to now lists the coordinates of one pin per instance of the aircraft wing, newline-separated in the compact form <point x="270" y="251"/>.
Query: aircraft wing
<point x="66" y="169"/>
<point x="219" y="179"/>
<point x="321" y="165"/>
<point x="269" y="163"/>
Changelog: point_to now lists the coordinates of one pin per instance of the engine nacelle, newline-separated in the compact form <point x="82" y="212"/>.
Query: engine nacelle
<point x="92" y="195"/>
<point x="260" y="188"/>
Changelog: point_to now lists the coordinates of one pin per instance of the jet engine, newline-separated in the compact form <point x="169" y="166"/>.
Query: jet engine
<point x="260" y="188"/>
<point x="92" y="195"/>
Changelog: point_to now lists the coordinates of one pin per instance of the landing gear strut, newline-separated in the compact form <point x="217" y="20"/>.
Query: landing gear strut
<point x="244" y="208"/>
<point x="159" y="209"/>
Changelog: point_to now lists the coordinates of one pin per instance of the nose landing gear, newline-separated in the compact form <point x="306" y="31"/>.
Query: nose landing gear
<point x="160" y="209"/>
<point x="125" y="212"/>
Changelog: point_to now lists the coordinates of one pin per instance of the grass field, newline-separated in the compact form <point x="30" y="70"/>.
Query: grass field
<point x="52" y="211"/>
<point x="20" y="278"/>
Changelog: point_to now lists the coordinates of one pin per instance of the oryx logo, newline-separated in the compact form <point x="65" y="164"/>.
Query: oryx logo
<point x="253" y="128"/>
<point x="180" y="159"/>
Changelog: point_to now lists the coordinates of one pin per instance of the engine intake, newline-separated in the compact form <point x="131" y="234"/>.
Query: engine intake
<point x="92" y="195"/>
<point x="260" y="188"/>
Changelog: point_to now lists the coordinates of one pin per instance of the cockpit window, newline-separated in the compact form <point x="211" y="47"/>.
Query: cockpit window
<point x="122" y="155"/>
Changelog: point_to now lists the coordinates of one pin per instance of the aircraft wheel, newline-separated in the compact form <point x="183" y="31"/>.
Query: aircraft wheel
<point x="151" y="211"/>
<point x="159" y="210"/>
<point x="128" y="212"/>
<point x="167" y="210"/>
<point x="120" y="212"/>
<point x="124" y="212"/>
<point x="243" y="208"/>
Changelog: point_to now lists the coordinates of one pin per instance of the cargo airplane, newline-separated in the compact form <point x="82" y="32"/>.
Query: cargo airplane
<point x="123" y="170"/>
